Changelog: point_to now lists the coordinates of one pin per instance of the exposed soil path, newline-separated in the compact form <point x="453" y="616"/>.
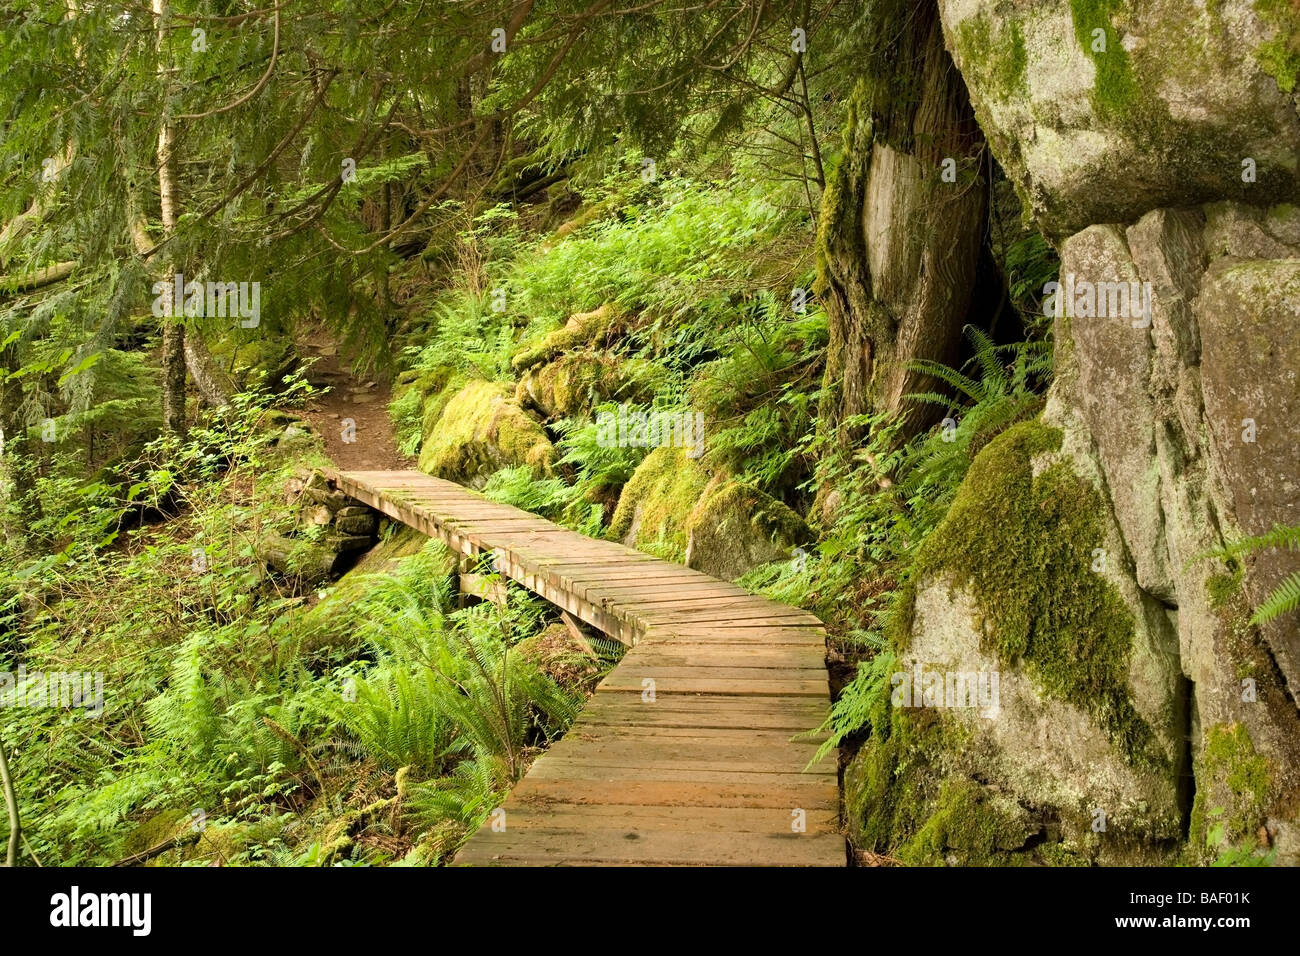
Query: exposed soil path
<point x="360" y="403"/>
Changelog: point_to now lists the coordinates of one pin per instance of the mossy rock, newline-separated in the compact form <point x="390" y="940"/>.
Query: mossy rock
<point x="583" y="329"/>
<point x="1234" y="791"/>
<point x="735" y="527"/>
<point x="1024" y="544"/>
<point x="903" y="796"/>
<point x="585" y="216"/>
<point x="655" y="507"/>
<point x="673" y="507"/>
<point x="162" y="826"/>
<point x="969" y="825"/>
<point x="329" y="625"/>
<point x="576" y="382"/>
<point x="1101" y="110"/>
<point x="481" y="430"/>
<point x="437" y="387"/>
<point x="1086" y="714"/>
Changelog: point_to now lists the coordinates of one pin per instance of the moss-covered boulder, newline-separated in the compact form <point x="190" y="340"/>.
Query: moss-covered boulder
<point x="560" y="656"/>
<point x="1101" y="110"/>
<point x="577" y="382"/>
<point x="329" y="625"/>
<point x="673" y="507"/>
<point x="584" y="329"/>
<point x="655" y="505"/>
<point x="1024" y="581"/>
<point x="480" y="430"/>
<point x="735" y="527"/>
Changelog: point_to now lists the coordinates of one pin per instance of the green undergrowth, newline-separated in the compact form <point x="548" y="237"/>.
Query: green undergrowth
<point x="246" y="721"/>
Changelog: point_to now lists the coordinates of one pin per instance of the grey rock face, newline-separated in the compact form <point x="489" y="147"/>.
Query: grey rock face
<point x="1103" y="111"/>
<point x="1185" y="413"/>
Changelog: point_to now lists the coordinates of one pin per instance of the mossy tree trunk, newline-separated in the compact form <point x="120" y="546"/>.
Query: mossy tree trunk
<point x="898" y="241"/>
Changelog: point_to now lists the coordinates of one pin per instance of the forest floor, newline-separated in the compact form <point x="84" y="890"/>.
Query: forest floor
<point x="341" y="398"/>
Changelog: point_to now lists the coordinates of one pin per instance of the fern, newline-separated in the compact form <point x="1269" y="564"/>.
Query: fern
<point x="1285" y="597"/>
<point x="1282" y="599"/>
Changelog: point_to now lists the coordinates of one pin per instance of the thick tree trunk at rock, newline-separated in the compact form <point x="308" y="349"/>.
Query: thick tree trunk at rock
<point x="898" y="243"/>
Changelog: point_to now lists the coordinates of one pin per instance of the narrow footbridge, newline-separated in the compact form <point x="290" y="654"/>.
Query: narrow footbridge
<point x="685" y="754"/>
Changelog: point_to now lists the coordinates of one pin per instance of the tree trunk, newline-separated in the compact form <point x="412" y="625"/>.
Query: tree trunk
<point x="898" y="244"/>
<point x="209" y="379"/>
<point x="173" y="356"/>
<point x="11" y="804"/>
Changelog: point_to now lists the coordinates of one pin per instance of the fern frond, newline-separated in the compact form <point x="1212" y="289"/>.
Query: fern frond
<point x="1282" y="536"/>
<point x="1285" y="597"/>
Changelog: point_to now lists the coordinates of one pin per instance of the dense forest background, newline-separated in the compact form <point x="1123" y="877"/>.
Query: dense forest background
<point x="454" y="236"/>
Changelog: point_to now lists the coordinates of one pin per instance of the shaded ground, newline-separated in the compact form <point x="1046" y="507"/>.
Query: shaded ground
<point x="360" y="403"/>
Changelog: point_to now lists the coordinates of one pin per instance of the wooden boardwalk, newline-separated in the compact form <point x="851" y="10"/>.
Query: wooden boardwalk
<point x="684" y="755"/>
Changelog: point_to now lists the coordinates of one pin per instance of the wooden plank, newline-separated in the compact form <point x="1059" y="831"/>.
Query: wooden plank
<point x="765" y="793"/>
<point x="552" y="846"/>
<point x="690" y="753"/>
<point x="673" y="654"/>
<point x="726" y="686"/>
<point x="643" y="818"/>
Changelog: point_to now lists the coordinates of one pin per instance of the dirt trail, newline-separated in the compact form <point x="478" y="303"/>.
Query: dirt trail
<point x="362" y="403"/>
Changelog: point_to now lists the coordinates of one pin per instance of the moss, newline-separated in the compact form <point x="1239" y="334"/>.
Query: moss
<point x="1058" y="854"/>
<point x="558" y="655"/>
<point x="1115" y="90"/>
<point x="1233" y="788"/>
<point x="902" y="796"/>
<point x="968" y="827"/>
<point x="578" y="381"/>
<point x="160" y="827"/>
<point x="437" y="387"/>
<point x="1221" y="588"/>
<point x="585" y="217"/>
<point x="895" y="774"/>
<point x="1023" y="546"/>
<point x="838" y="221"/>
<point x="582" y="329"/>
<point x="736" y="527"/>
<point x="655" y="505"/>
<point x="482" y="429"/>
<point x="1279" y="56"/>
<point x="1000" y="65"/>
<point x="222" y="842"/>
